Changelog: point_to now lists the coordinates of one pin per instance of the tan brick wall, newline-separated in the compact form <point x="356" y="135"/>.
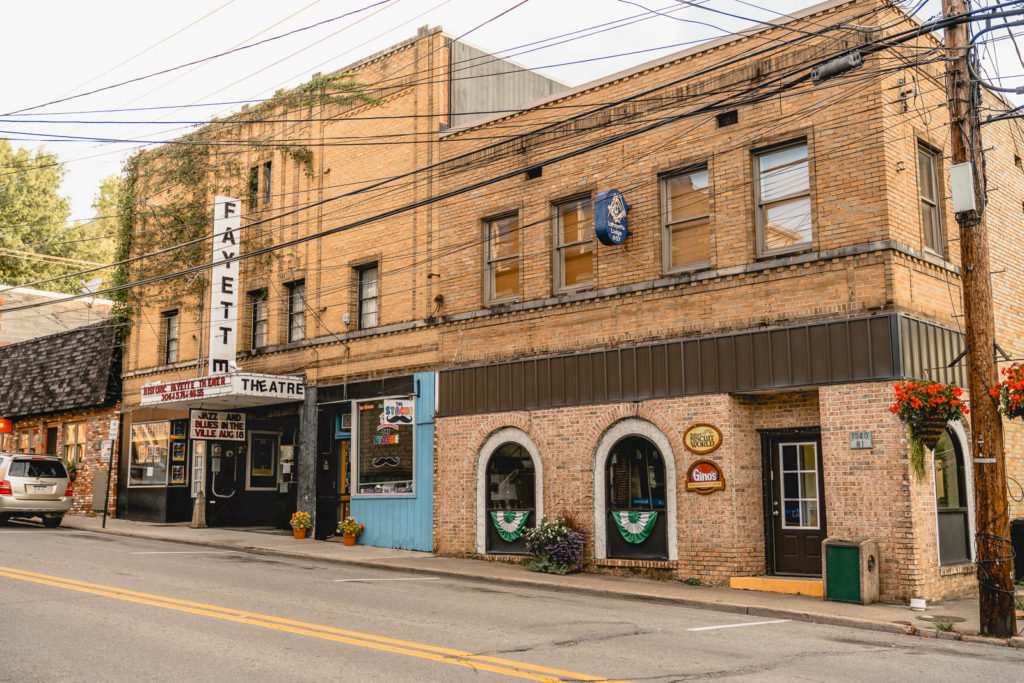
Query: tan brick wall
<point x="868" y="493"/>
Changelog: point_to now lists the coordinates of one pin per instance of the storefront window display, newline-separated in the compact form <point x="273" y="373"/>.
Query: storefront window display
<point x="150" y="452"/>
<point x="384" y="453"/>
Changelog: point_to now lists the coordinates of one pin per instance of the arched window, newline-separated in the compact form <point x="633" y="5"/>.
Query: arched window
<point x="511" y="504"/>
<point x="951" y="501"/>
<point x="636" y="500"/>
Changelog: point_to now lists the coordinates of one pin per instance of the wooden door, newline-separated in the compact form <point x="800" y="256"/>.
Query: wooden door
<point x="797" y="505"/>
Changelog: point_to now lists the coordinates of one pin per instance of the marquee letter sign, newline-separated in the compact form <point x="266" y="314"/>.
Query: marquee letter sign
<point x="610" y="217"/>
<point x="704" y="476"/>
<point x="227" y="224"/>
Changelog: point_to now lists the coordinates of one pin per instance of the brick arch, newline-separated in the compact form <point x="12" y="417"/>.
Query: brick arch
<point x="641" y="411"/>
<point x="631" y="424"/>
<point x="495" y="439"/>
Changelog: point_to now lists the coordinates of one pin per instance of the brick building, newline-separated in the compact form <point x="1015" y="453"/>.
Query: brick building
<point x="61" y="393"/>
<point x="318" y="316"/>
<point x="789" y="252"/>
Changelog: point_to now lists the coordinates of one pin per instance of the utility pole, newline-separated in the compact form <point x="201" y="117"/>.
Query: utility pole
<point x="994" y="559"/>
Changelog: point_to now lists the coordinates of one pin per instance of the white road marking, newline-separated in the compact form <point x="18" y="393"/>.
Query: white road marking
<point x="186" y="552"/>
<point x="418" y="578"/>
<point x="749" y="623"/>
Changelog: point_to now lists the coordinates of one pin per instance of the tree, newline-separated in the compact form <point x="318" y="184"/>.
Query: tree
<point x="36" y="241"/>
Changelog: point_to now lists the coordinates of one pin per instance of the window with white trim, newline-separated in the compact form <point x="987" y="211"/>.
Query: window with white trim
<point x="783" y="193"/>
<point x="74" y="442"/>
<point x="686" y="219"/>
<point x="369" y="296"/>
<point x="296" y="310"/>
<point x="928" y="187"/>
<point x="502" y="283"/>
<point x="574" y="244"/>
<point x="170" y="325"/>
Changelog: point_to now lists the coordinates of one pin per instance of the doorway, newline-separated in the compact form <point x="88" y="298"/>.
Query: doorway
<point x="222" y="475"/>
<point x="795" y="502"/>
<point x="951" y="501"/>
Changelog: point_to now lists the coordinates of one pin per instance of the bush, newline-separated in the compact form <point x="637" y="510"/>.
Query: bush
<point x="555" y="546"/>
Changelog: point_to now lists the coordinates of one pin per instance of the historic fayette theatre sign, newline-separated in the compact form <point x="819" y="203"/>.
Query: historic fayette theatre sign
<point x="227" y="225"/>
<point x="610" y="217"/>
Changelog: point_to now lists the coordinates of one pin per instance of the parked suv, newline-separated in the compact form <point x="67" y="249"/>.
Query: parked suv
<point x="34" y="486"/>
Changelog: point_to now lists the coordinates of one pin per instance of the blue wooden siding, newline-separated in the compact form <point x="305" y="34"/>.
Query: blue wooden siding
<point x="406" y="521"/>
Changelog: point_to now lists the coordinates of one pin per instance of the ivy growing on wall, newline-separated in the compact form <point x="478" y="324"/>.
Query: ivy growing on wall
<point x="168" y="193"/>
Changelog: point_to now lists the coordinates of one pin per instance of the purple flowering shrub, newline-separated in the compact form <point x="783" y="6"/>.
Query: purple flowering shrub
<point x="555" y="546"/>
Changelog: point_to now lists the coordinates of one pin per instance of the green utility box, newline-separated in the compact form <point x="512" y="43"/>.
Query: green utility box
<point x="850" y="570"/>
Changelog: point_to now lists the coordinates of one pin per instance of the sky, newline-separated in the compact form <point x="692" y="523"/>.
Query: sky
<point x="56" y="49"/>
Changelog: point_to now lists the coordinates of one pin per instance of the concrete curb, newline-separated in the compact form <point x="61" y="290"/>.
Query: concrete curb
<point x="548" y="585"/>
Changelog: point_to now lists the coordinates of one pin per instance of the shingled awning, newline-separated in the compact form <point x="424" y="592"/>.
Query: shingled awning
<point x="80" y="368"/>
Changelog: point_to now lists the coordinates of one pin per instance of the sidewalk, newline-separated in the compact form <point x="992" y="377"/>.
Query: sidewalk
<point x="962" y="614"/>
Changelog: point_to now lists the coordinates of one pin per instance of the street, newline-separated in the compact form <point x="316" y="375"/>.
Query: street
<point x="84" y="606"/>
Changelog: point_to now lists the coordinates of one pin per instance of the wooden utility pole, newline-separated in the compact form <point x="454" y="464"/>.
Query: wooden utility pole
<point x="994" y="559"/>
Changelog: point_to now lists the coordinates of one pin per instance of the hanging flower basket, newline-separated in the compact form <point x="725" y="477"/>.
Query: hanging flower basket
<point x="926" y="408"/>
<point x="1010" y="392"/>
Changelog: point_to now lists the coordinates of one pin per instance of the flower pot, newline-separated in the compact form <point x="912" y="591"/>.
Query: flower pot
<point x="930" y="431"/>
<point x="299" y="533"/>
<point x="348" y="539"/>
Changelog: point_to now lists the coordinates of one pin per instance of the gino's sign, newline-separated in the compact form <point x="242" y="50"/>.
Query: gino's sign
<point x="704" y="476"/>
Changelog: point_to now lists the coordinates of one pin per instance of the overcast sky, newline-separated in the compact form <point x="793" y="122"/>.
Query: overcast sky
<point x="52" y="49"/>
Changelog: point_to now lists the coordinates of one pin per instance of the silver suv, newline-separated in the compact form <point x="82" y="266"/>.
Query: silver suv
<point x="34" y="486"/>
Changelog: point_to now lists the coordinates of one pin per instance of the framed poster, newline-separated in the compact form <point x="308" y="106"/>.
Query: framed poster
<point x="178" y="451"/>
<point x="177" y="474"/>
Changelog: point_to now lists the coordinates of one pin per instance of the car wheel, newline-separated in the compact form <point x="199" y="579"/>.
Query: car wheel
<point x="52" y="522"/>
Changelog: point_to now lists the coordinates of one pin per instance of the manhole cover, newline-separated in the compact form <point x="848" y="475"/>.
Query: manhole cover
<point x="948" y="619"/>
<point x="926" y="617"/>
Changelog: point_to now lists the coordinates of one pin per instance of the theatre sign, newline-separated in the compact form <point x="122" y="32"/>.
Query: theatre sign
<point x="237" y="390"/>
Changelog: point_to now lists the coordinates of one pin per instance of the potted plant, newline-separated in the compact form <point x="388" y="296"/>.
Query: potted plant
<point x="1010" y="392"/>
<point x="556" y="546"/>
<point x="72" y="469"/>
<point x="350" y="529"/>
<point x="926" y="408"/>
<point x="301" y="522"/>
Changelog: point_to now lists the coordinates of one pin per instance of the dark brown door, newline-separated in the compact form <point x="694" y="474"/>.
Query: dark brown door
<point x="797" y="505"/>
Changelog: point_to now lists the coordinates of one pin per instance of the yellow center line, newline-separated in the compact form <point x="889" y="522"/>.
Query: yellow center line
<point x="421" y="650"/>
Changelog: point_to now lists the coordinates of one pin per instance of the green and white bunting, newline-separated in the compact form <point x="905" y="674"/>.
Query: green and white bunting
<point x="509" y="523"/>
<point x="635" y="527"/>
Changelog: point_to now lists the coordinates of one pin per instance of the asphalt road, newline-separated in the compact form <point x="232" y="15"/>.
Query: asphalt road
<point x="80" y="606"/>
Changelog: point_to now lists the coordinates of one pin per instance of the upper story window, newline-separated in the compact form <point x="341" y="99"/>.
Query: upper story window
<point x="260" y="317"/>
<point x="369" y="296"/>
<point x="783" y="193"/>
<point x="268" y="178"/>
<point x="296" y="310"/>
<point x="574" y="244"/>
<point x="928" y="187"/>
<point x="686" y="220"/>
<point x="502" y="278"/>
<point x="170" y="325"/>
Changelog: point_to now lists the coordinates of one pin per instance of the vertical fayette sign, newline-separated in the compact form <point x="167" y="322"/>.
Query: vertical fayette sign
<point x="227" y="225"/>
